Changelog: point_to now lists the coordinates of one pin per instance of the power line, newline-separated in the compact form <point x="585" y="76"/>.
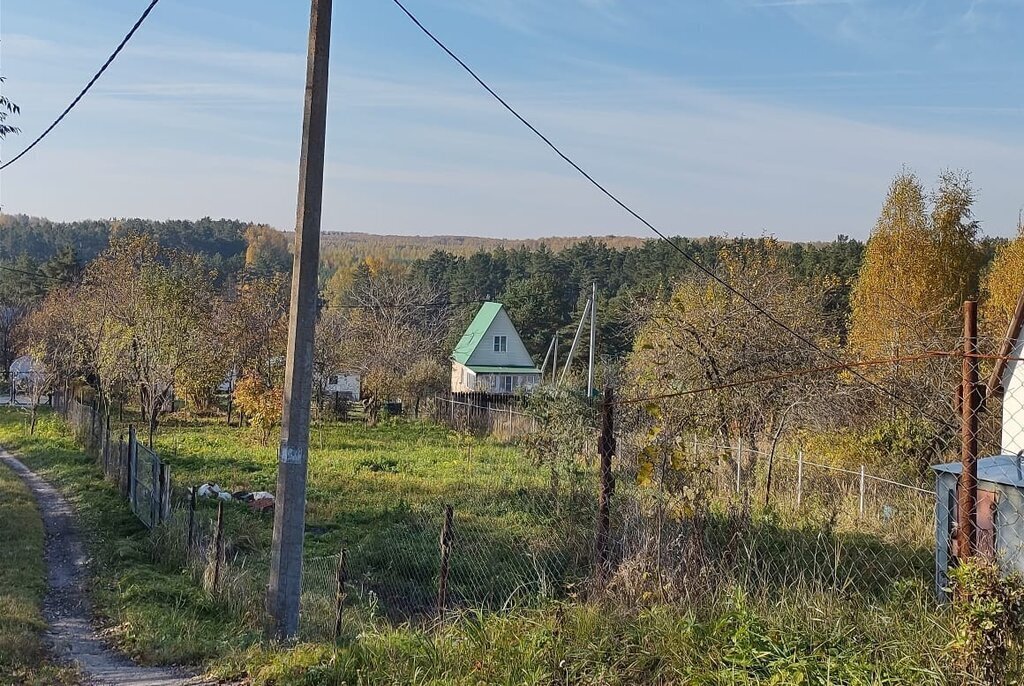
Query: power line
<point x="89" y="85"/>
<point x="792" y="373"/>
<point x="636" y="215"/>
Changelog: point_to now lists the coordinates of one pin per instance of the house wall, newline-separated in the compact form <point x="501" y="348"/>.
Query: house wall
<point x="516" y="354"/>
<point x="349" y="384"/>
<point x="463" y="379"/>
<point x="1013" y="402"/>
<point x="495" y="383"/>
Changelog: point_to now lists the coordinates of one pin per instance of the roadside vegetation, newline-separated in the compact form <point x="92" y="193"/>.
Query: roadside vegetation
<point x="23" y="658"/>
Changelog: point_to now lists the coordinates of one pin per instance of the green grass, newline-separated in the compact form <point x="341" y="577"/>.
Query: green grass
<point x="155" y="613"/>
<point x="23" y="657"/>
<point x="378" y="492"/>
<point x="733" y="641"/>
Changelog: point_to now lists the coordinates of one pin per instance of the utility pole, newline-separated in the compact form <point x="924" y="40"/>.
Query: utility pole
<point x="593" y="341"/>
<point x="290" y="508"/>
<point x="967" y="494"/>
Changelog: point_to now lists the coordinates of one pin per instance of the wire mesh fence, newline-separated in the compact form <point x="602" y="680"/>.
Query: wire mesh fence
<point x="766" y="513"/>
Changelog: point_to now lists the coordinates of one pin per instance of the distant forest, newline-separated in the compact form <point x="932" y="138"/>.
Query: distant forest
<point x="544" y="282"/>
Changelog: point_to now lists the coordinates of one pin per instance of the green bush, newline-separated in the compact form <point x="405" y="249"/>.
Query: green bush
<point x="988" y="615"/>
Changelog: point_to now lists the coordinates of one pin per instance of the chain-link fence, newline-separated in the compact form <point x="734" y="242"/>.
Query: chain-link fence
<point x="769" y="512"/>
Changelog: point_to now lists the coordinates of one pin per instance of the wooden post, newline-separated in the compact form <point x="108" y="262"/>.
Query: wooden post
<point x="446" y="556"/>
<point x="155" y="493"/>
<point x="799" y="478"/>
<point x="190" y="542"/>
<point x="218" y="545"/>
<point x="133" y="446"/>
<point x="739" y="463"/>
<point x="339" y="594"/>
<point x="967" y="493"/>
<point x="862" y="490"/>
<point x="165" y="491"/>
<point x="606" y="450"/>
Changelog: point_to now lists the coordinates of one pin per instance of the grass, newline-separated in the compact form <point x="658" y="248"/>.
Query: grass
<point x="155" y="613"/>
<point x="735" y="641"/>
<point x="23" y="658"/>
<point x="378" y="492"/>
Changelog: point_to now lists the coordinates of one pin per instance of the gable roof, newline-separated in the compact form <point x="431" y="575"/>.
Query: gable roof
<point x="476" y="331"/>
<point x="998" y="469"/>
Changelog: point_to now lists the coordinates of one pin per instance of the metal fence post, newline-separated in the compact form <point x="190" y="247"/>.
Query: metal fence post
<point x="606" y="449"/>
<point x="862" y="490"/>
<point x="446" y="555"/>
<point x="799" y="478"/>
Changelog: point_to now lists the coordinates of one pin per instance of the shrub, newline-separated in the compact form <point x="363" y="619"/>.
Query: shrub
<point x="988" y="615"/>
<point x="261" y="403"/>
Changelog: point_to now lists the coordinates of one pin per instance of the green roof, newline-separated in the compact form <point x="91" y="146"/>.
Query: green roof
<point x="475" y="333"/>
<point x="483" y="369"/>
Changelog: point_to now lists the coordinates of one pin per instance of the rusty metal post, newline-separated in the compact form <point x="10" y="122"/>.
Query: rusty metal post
<point x="446" y="560"/>
<point x="967" y="494"/>
<point x="606" y="449"/>
<point x="339" y="593"/>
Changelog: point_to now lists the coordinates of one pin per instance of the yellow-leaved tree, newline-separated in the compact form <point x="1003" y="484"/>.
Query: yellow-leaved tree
<point x="1003" y="285"/>
<point x="918" y="268"/>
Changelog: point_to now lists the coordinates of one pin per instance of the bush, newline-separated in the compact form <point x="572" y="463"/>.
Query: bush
<point x="988" y="615"/>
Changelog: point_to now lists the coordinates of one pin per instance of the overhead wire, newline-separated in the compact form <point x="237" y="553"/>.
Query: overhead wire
<point x="92" y="81"/>
<point x="789" y="374"/>
<point x="636" y="215"/>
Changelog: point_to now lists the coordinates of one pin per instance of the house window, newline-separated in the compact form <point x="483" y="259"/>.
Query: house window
<point x="508" y="382"/>
<point x="500" y="344"/>
<point x="333" y="381"/>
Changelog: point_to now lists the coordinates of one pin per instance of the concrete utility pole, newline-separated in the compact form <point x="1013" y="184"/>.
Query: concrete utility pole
<point x="967" y="493"/>
<point x="593" y="341"/>
<point x="290" y="508"/>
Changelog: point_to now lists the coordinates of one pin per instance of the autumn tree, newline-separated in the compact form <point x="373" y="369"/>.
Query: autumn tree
<point x="48" y="336"/>
<point x="158" y="309"/>
<point x="918" y="267"/>
<point x="266" y="251"/>
<point x="1003" y="285"/>
<point x="730" y="362"/>
<point x="393" y="325"/>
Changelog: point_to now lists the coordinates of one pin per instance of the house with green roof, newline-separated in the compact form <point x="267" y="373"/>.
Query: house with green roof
<point x="491" y="358"/>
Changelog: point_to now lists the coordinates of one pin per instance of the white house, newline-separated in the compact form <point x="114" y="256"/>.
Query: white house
<point x="347" y="384"/>
<point x="490" y="357"/>
<point x="1009" y="375"/>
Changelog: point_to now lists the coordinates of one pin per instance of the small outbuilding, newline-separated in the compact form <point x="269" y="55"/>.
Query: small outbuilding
<point x="25" y="373"/>
<point x="491" y="357"/>
<point x="346" y="385"/>
<point x="1000" y="515"/>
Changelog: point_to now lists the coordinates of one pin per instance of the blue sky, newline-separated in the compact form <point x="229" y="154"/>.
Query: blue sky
<point x="709" y="116"/>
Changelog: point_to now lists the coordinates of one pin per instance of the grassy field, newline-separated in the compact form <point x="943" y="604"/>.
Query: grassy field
<point x="380" y="494"/>
<point x="374" y="491"/>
